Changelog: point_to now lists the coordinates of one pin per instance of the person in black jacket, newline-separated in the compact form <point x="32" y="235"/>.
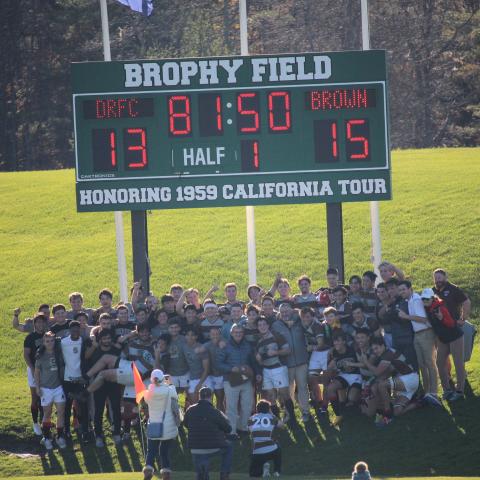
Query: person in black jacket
<point x="207" y="430"/>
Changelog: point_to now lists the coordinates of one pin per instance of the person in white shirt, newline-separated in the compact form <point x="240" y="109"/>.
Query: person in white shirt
<point x="73" y="382"/>
<point x="424" y="341"/>
<point x="162" y="401"/>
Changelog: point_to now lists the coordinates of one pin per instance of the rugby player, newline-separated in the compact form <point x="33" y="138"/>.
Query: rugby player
<point x="262" y="426"/>
<point x="306" y="298"/>
<point x="61" y="324"/>
<point x="49" y="388"/>
<point x="346" y="385"/>
<point x="31" y="344"/>
<point x="214" y="380"/>
<point x="397" y="382"/>
<point x="269" y="348"/>
<point x="198" y="364"/>
<point x="76" y="304"/>
<point x="73" y="352"/>
<point x="211" y="320"/>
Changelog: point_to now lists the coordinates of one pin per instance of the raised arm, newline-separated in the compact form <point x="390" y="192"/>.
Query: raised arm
<point x="212" y="290"/>
<point x="16" y="322"/>
<point x="274" y="286"/>
<point x="181" y="302"/>
<point x="135" y="295"/>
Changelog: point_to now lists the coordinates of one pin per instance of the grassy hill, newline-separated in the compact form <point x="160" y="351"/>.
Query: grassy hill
<point x="48" y="250"/>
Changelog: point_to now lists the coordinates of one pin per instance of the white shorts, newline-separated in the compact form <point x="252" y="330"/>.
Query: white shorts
<point x="125" y="372"/>
<point x="30" y="378"/>
<point x="192" y="384"/>
<point x="52" y="395"/>
<point x="180" y="381"/>
<point x="275" y="378"/>
<point x="411" y="381"/>
<point x="129" y="391"/>
<point x="318" y="361"/>
<point x="351" y="378"/>
<point x="215" y="383"/>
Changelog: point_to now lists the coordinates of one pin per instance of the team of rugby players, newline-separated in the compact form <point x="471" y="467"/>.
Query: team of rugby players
<point x="357" y="346"/>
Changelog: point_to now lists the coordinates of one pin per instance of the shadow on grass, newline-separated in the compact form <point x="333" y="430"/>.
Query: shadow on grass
<point x="50" y="463"/>
<point x="70" y="461"/>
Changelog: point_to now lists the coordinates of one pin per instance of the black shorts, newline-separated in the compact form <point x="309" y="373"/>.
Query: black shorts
<point x="257" y="461"/>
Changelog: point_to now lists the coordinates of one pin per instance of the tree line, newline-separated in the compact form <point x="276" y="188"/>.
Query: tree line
<point x="433" y="51"/>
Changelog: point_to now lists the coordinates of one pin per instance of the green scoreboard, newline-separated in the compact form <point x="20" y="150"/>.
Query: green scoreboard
<point x="224" y="131"/>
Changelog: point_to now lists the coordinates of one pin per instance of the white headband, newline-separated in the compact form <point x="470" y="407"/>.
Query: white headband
<point x="210" y="305"/>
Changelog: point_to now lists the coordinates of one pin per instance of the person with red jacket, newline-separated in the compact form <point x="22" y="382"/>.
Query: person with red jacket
<point x="450" y="342"/>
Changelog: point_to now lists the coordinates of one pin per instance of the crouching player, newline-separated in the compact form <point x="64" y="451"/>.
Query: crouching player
<point x="262" y="426"/>
<point x="396" y="382"/>
<point x="48" y="383"/>
<point x="345" y="387"/>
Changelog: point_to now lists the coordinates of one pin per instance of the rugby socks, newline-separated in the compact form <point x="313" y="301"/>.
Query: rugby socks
<point x="46" y="427"/>
<point x="34" y="409"/>
<point x="337" y="407"/>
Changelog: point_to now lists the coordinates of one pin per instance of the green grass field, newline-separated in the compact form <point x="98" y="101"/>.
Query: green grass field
<point x="48" y="250"/>
<point x="188" y="476"/>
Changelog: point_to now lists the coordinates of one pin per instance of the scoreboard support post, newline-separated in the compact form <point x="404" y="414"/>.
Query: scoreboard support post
<point x="141" y="269"/>
<point x="335" y="239"/>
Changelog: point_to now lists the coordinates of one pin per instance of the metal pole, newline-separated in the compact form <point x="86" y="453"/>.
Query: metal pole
<point x="374" y="207"/>
<point x="249" y="211"/>
<point x="119" y="237"/>
<point x="335" y="239"/>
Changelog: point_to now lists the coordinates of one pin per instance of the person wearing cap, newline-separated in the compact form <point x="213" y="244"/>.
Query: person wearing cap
<point x="450" y="342"/>
<point x="208" y="428"/>
<point x="162" y="401"/>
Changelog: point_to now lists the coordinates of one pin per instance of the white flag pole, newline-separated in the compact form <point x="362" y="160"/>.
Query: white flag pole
<point x="249" y="211"/>
<point x="120" y="241"/>
<point x="374" y="208"/>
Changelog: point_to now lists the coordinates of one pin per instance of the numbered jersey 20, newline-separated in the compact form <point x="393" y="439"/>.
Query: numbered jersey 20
<point x="262" y="426"/>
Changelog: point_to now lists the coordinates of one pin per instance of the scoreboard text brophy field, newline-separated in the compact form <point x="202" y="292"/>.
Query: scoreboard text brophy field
<point x="301" y="128"/>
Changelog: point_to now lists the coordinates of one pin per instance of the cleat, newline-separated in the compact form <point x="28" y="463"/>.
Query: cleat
<point x="447" y="394"/>
<point x="47" y="443"/>
<point x="432" y="399"/>
<point x="456" y="396"/>
<point x="147" y="472"/>
<point x="61" y="443"/>
<point x="37" y="429"/>
<point x="99" y="443"/>
<point x="306" y="417"/>
<point x="266" y="470"/>
<point x="117" y="439"/>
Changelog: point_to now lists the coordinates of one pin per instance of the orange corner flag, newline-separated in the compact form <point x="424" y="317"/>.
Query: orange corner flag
<point x="139" y="385"/>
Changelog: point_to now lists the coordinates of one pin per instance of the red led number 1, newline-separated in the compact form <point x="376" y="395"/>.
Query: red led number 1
<point x="113" y="150"/>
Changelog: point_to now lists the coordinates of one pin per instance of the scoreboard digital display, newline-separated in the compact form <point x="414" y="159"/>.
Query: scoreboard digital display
<point x="231" y="131"/>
